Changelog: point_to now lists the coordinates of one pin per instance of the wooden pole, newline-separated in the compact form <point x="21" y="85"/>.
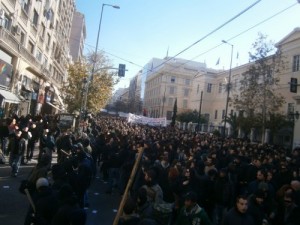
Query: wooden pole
<point x="30" y="199"/>
<point x="129" y="184"/>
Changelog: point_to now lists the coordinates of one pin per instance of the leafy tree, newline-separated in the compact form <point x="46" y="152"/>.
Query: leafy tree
<point x="121" y="106"/>
<point x="174" y="113"/>
<point x="73" y="89"/>
<point x="276" y="122"/>
<point x="79" y="79"/>
<point x="190" y="116"/>
<point x="257" y="93"/>
<point x="233" y="121"/>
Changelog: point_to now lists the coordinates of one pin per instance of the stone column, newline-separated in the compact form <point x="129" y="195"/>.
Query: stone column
<point x="241" y="133"/>
<point x="267" y="136"/>
<point x="183" y="125"/>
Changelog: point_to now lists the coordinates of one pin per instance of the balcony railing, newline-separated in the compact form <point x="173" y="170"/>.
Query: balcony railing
<point x="24" y="16"/>
<point x="11" y="42"/>
<point x="12" y="2"/>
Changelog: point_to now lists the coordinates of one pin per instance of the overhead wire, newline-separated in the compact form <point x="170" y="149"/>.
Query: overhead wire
<point x="201" y="54"/>
<point x="235" y="36"/>
<point x="210" y="33"/>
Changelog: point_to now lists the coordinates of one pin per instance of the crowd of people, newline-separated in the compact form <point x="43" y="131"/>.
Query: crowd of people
<point x="183" y="178"/>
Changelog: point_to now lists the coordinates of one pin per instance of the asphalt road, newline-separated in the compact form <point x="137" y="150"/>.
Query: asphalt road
<point x="14" y="205"/>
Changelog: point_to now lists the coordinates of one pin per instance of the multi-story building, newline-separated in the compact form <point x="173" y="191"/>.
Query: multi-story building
<point x="169" y="81"/>
<point x="34" y="47"/>
<point x="215" y="93"/>
<point x="178" y="79"/>
<point x="117" y="96"/>
<point x="78" y="36"/>
<point x="134" y="94"/>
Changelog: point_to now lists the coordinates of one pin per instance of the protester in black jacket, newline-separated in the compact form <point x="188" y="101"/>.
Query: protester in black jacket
<point x="239" y="215"/>
<point x="69" y="212"/>
<point x="16" y="147"/>
<point x="31" y="142"/>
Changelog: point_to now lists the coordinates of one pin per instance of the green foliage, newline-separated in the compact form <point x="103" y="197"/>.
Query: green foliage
<point x="190" y="116"/>
<point x="100" y="89"/>
<point x="257" y="92"/>
<point x="233" y="121"/>
<point x="216" y="133"/>
<point x="258" y="97"/>
<point x="277" y="121"/>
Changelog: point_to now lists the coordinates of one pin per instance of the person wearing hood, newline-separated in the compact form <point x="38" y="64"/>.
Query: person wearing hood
<point x="69" y="212"/>
<point x="45" y="203"/>
<point x="192" y="213"/>
<point x="154" y="191"/>
<point x="144" y="208"/>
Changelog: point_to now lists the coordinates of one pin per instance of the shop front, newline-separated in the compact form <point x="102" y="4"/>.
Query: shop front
<point x="8" y="100"/>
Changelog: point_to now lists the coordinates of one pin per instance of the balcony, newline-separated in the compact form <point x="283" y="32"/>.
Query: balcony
<point x="9" y="42"/>
<point x="24" y="17"/>
<point x="33" y="30"/>
<point x="12" y="2"/>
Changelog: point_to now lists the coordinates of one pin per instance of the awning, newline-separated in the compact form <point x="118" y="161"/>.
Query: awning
<point x="9" y="97"/>
<point x="54" y="106"/>
<point x="56" y="91"/>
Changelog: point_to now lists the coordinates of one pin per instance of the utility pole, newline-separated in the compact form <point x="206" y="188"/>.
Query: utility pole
<point x="228" y="89"/>
<point x="164" y="99"/>
<point x="200" y="107"/>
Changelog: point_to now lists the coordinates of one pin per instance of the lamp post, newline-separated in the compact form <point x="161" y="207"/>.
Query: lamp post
<point x="228" y="87"/>
<point x="95" y="55"/>
<point x="200" y="107"/>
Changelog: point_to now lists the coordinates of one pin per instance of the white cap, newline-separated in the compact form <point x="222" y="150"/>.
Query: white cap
<point x="42" y="182"/>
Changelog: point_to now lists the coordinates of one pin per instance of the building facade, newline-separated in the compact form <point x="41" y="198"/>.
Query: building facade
<point x="215" y="92"/>
<point x="166" y="83"/>
<point x="78" y="36"/>
<point x="134" y="94"/>
<point x="34" y="47"/>
<point x="186" y="83"/>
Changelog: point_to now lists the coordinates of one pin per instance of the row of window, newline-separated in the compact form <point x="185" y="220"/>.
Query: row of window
<point x="170" y="102"/>
<point x="187" y="81"/>
<point x="171" y="79"/>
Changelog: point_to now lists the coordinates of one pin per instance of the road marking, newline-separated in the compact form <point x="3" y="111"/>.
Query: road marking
<point x="115" y="210"/>
<point x="6" y="187"/>
<point x="94" y="211"/>
<point x="26" y="166"/>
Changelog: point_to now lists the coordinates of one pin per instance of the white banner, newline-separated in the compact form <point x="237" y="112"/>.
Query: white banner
<point x="124" y="115"/>
<point x="132" y="118"/>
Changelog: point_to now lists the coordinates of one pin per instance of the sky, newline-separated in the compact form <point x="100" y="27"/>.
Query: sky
<point x="143" y="29"/>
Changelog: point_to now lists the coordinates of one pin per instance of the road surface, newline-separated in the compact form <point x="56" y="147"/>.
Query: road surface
<point x="14" y="205"/>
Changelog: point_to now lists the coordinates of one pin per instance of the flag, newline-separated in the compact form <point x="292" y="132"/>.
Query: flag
<point x="237" y="55"/>
<point x="218" y="62"/>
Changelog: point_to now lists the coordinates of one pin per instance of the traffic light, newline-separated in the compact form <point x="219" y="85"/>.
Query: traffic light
<point x="293" y="85"/>
<point x="122" y="69"/>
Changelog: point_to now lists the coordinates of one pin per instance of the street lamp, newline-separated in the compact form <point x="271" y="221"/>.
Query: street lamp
<point x="228" y="86"/>
<point x="95" y="55"/>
